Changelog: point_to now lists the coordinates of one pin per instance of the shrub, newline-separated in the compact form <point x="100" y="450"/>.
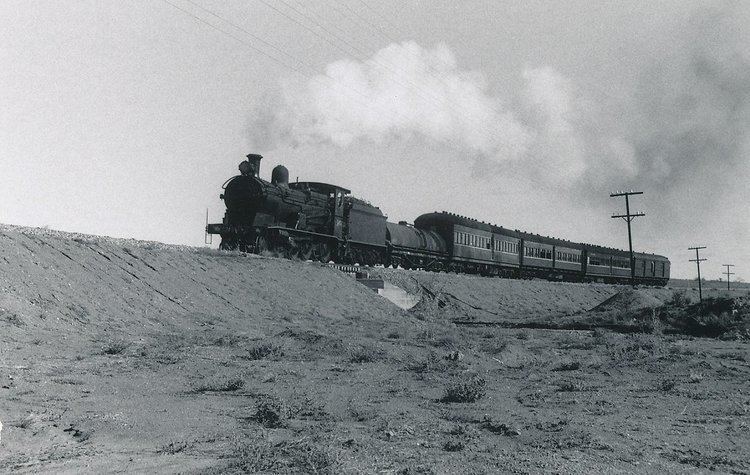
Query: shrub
<point x="453" y="446"/>
<point x="223" y="385"/>
<point x="364" y="354"/>
<point x="499" y="428"/>
<point x="263" y="350"/>
<point x="227" y="340"/>
<point x="572" y="366"/>
<point x="431" y="362"/>
<point x="566" y="386"/>
<point x="679" y="299"/>
<point x="465" y="391"/>
<point x="271" y="412"/>
<point x="299" y="456"/>
<point x="114" y="347"/>
<point x="666" y="385"/>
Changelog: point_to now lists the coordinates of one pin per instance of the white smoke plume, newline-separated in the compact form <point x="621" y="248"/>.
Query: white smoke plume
<point x="403" y="90"/>
<point x="689" y="112"/>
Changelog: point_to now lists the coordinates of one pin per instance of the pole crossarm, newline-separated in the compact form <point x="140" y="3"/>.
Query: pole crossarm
<point x="628" y="217"/>
<point x="624" y="193"/>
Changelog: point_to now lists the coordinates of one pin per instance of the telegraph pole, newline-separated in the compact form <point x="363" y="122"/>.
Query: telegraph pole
<point x="628" y="217"/>
<point x="698" y="261"/>
<point x="727" y="273"/>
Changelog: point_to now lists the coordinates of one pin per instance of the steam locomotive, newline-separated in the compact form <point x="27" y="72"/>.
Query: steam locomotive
<point x="324" y="222"/>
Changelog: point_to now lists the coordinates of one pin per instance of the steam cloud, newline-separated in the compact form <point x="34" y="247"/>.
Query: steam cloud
<point x="402" y="90"/>
<point x="689" y="112"/>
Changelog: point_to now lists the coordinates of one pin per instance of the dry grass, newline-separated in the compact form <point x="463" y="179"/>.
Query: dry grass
<point x="466" y="391"/>
<point x="365" y="354"/>
<point x="114" y="347"/>
<point x="271" y="412"/>
<point x="220" y="385"/>
<point x="264" y="350"/>
<point x="295" y="456"/>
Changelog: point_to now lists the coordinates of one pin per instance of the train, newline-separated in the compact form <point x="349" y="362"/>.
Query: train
<point x="324" y="222"/>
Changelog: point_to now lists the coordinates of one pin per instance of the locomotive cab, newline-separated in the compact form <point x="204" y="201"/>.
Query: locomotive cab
<point x="335" y="202"/>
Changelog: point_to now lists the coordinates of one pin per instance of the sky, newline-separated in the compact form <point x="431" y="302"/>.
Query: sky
<point x="124" y="118"/>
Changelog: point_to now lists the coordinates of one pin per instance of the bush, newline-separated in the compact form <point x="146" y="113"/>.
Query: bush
<point x="572" y="366"/>
<point x="451" y="446"/>
<point x="364" y="355"/>
<point x="271" y="412"/>
<point x="263" y="350"/>
<point x="431" y="362"/>
<point x="679" y="299"/>
<point x="666" y="385"/>
<point x="566" y="386"/>
<point x="232" y="384"/>
<point x="465" y="391"/>
<point x="299" y="456"/>
<point x="114" y="347"/>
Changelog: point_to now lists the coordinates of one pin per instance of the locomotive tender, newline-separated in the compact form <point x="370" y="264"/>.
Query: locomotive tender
<point x="323" y="222"/>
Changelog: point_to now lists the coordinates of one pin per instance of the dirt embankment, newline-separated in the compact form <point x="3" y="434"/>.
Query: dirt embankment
<point x="472" y="298"/>
<point x="119" y="355"/>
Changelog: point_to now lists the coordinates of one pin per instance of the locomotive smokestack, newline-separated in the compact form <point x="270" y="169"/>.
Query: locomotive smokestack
<point x="254" y="160"/>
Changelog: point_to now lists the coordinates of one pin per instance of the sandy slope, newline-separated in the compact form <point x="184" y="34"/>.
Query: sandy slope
<point x="129" y="356"/>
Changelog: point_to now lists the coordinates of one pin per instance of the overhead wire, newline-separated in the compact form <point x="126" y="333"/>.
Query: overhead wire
<point x="250" y="34"/>
<point x="376" y="28"/>
<point x="364" y="100"/>
<point x="294" y="20"/>
<point x="250" y="45"/>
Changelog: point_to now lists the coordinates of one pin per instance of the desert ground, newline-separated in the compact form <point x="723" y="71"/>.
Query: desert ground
<point x="129" y="356"/>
